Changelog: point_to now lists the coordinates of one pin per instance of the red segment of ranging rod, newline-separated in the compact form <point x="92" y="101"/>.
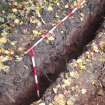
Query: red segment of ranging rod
<point x="51" y="31"/>
<point x="32" y="54"/>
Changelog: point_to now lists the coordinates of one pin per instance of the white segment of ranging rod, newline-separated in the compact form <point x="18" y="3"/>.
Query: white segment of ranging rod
<point x="33" y="61"/>
<point x="35" y="76"/>
<point x="74" y="10"/>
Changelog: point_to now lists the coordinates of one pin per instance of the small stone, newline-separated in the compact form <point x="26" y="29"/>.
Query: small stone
<point x="58" y="4"/>
<point x="81" y="18"/>
<point x="87" y="55"/>
<point x="17" y="21"/>
<point x="62" y="75"/>
<point x="66" y="6"/>
<point x="82" y="14"/>
<point x="95" y="48"/>
<point x="83" y="91"/>
<point x="63" y="86"/>
<point x="20" y="49"/>
<point x="55" y="90"/>
<point x="65" y="92"/>
<point x="58" y="86"/>
<point x="66" y="75"/>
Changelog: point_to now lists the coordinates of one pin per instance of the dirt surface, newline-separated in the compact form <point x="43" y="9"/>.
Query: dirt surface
<point x="82" y="81"/>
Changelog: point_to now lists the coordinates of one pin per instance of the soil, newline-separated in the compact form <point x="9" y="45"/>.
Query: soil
<point x="82" y="80"/>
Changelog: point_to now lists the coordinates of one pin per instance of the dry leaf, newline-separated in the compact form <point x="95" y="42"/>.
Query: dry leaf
<point x="3" y="40"/>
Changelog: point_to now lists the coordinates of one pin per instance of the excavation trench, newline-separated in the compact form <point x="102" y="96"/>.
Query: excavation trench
<point x="20" y="88"/>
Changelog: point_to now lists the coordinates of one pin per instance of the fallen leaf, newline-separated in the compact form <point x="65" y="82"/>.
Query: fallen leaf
<point x="69" y="102"/>
<point x="50" y="8"/>
<point x="51" y="38"/>
<point x="4" y="33"/>
<point x="14" y="10"/>
<point x="3" y="40"/>
<point x="67" y="82"/>
<point x="74" y="74"/>
<point x="59" y="100"/>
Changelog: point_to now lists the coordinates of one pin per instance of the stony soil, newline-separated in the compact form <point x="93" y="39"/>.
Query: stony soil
<point x="83" y="81"/>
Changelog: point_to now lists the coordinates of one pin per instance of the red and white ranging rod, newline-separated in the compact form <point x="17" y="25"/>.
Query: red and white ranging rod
<point x="32" y="54"/>
<point x="30" y="51"/>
